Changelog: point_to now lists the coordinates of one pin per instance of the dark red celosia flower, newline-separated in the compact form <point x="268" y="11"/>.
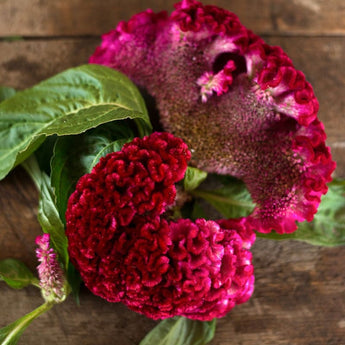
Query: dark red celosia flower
<point x="134" y="181"/>
<point x="127" y="252"/>
<point x="239" y="104"/>
<point x="162" y="269"/>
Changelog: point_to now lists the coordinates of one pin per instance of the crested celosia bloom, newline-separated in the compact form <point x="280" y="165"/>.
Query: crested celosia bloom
<point x="52" y="279"/>
<point x="127" y="251"/>
<point x="238" y="103"/>
<point x="201" y="272"/>
<point x="137" y="180"/>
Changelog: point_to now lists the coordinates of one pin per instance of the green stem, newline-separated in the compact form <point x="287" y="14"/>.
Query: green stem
<point x="36" y="282"/>
<point x="211" y="196"/>
<point x="31" y="167"/>
<point x="13" y="331"/>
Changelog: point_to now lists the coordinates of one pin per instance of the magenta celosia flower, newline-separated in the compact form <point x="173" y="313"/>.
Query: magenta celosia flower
<point x="202" y="273"/>
<point x="127" y="251"/>
<point x="52" y="279"/>
<point x="238" y="103"/>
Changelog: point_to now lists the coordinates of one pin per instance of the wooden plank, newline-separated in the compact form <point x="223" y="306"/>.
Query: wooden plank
<point x="18" y="212"/>
<point x="299" y="295"/>
<point x="89" y="17"/>
<point x="321" y="59"/>
<point x="28" y="62"/>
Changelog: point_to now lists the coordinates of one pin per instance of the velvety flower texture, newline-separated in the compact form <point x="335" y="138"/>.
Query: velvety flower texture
<point x="127" y="251"/>
<point x="238" y="103"/>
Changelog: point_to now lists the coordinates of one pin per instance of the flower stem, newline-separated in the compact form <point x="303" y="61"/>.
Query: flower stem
<point x="11" y="333"/>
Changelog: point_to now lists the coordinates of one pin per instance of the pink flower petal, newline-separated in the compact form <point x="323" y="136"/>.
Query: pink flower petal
<point x="239" y="104"/>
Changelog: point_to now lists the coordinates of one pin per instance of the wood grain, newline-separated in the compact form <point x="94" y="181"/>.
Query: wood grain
<point x="89" y="17"/>
<point x="28" y="62"/>
<point x="300" y="289"/>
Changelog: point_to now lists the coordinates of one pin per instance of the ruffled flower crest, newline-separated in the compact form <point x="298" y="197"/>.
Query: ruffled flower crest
<point x="127" y="251"/>
<point x="239" y="104"/>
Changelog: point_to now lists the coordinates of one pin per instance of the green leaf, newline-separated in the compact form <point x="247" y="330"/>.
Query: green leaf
<point x="6" y="92"/>
<point x="75" y="156"/>
<point x="193" y="178"/>
<point x="74" y="281"/>
<point x="44" y="154"/>
<point x="10" y="334"/>
<point x="197" y="211"/>
<point x="181" y="331"/>
<point x="16" y="274"/>
<point x="49" y="219"/>
<point x="328" y="226"/>
<point x="68" y="103"/>
<point x="48" y="215"/>
<point x="232" y="199"/>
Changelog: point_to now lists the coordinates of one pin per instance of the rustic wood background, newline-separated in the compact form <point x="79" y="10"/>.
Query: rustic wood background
<point x="300" y="289"/>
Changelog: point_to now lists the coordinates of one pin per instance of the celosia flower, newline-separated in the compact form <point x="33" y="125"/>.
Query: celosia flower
<point x="238" y="103"/>
<point x="202" y="274"/>
<point x="52" y="279"/>
<point x="126" y="251"/>
<point x="134" y="181"/>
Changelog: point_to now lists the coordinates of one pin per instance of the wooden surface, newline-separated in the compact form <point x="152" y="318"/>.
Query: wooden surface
<point x="300" y="289"/>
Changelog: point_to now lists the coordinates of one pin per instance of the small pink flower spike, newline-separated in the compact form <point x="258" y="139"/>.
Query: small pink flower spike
<point x="52" y="279"/>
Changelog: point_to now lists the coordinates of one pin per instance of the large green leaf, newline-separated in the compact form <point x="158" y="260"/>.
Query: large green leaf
<point x="328" y="226"/>
<point x="231" y="199"/>
<point x="181" y="331"/>
<point x="68" y="103"/>
<point x="75" y="156"/>
<point x="16" y="274"/>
